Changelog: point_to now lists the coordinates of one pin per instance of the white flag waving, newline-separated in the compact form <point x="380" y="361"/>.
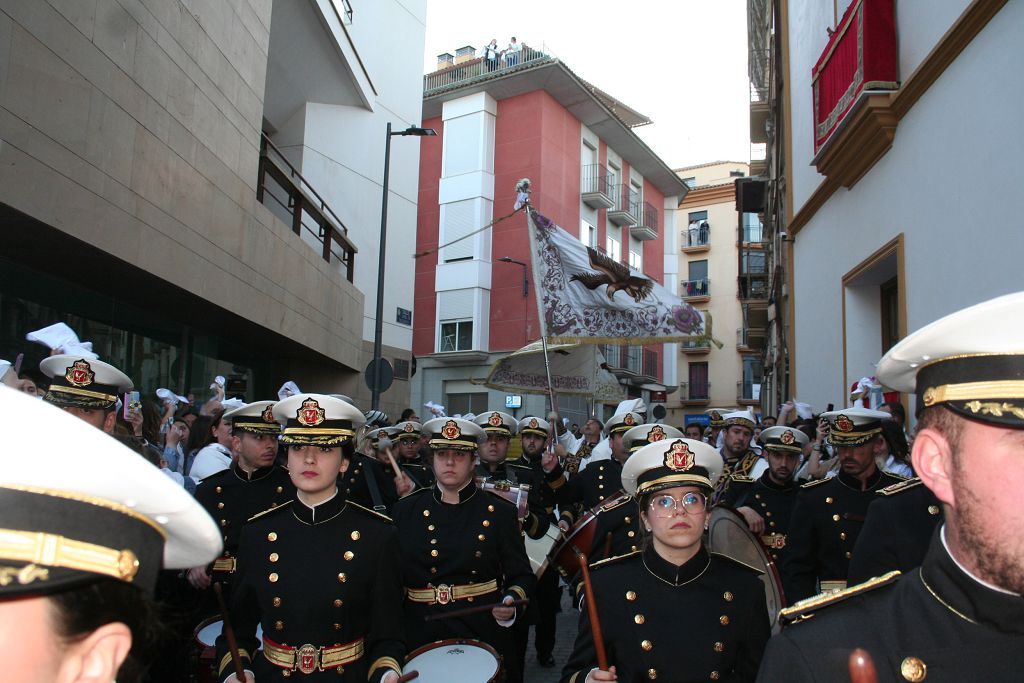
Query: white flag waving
<point x="587" y="297"/>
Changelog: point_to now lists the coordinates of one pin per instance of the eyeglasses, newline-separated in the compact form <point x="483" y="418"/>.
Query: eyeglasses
<point x="667" y="506"/>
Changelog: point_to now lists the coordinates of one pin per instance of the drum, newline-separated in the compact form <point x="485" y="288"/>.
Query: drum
<point x="517" y="494"/>
<point x="579" y="539"/>
<point x="455" y="661"/>
<point x="538" y="549"/>
<point x="205" y="637"/>
<point x="729" y="535"/>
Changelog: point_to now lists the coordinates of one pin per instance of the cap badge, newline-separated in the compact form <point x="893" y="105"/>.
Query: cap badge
<point x="715" y="415"/>
<point x="494" y="420"/>
<point x="533" y="423"/>
<point x="656" y="434"/>
<point x="628" y="420"/>
<point x="408" y="428"/>
<point x="451" y="430"/>
<point x="310" y="414"/>
<point x="679" y="457"/>
<point x="844" y="424"/>
<point x="80" y="374"/>
<point x="382" y="434"/>
<point x="787" y="438"/>
<point x="268" y="414"/>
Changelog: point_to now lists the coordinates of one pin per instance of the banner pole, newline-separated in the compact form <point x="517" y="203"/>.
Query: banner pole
<point x="540" y="308"/>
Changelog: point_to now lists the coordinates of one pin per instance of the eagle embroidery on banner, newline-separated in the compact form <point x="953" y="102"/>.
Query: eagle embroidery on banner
<point x="614" y="274"/>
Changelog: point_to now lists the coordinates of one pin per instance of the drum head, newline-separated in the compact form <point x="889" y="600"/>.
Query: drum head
<point x="537" y="549"/>
<point x="729" y="535"/>
<point x="451" y="661"/>
<point x="208" y="631"/>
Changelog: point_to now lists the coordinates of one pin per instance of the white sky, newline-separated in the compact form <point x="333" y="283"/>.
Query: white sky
<point x="682" y="63"/>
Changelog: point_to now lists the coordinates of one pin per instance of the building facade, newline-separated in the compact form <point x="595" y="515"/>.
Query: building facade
<point x="591" y="175"/>
<point x="864" y="102"/>
<point x="197" y="191"/>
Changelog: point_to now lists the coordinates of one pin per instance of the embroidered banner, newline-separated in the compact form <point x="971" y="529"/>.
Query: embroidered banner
<point x="575" y="369"/>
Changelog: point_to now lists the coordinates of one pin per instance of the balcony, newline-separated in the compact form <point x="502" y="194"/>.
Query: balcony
<point x="631" y="362"/>
<point x="282" y="189"/>
<point x="696" y="291"/>
<point x="748" y="393"/>
<point x="474" y="70"/>
<point x="596" y="187"/>
<point x="695" y="393"/>
<point x="625" y="211"/>
<point x="753" y="287"/>
<point x="750" y="340"/>
<point x="647" y="228"/>
<point x="695" y="348"/>
<point x="697" y="237"/>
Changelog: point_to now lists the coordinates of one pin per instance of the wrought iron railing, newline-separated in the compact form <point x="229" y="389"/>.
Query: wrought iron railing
<point x="481" y="68"/>
<point x="596" y="178"/>
<point x="626" y="200"/>
<point x="649" y="217"/>
<point x="748" y="391"/>
<point x="753" y="286"/>
<point x="698" y="234"/>
<point x="650" y="363"/>
<point x="701" y="287"/>
<point x="695" y="391"/>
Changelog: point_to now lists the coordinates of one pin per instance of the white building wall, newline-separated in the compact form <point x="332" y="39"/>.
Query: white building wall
<point x="949" y="184"/>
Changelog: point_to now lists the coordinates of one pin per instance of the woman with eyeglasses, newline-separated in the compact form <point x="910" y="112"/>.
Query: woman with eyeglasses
<point x="673" y="611"/>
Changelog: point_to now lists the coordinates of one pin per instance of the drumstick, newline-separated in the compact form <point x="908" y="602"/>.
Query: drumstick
<point x="404" y="678"/>
<point x="862" y="667"/>
<point x="384" y="444"/>
<point x="595" y="623"/>
<point x="229" y="633"/>
<point x="473" y="610"/>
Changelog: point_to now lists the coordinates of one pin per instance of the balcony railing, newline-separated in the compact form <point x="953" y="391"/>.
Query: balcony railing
<point x="753" y="234"/>
<point x="631" y="360"/>
<point x="693" y="347"/>
<point x="477" y="69"/>
<point x="695" y="288"/>
<point x="596" y="186"/>
<point x="691" y="392"/>
<point x="647" y="227"/>
<point x="698" y="234"/>
<point x="650" y="363"/>
<point x="282" y="189"/>
<point x="748" y="392"/>
<point x="625" y="210"/>
<point x="753" y="286"/>
<point x="750" y="338"/>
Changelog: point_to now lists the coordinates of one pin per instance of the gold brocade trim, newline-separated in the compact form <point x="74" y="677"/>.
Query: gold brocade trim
<point x="672" y="478"/>
<point x="91" y="500"/>
<point x="23" y="575"/>
<point x="225" y="661"/>
<point x="60" y="388"/>
<point x="59" y="551"/>
<point x="224" y="564"/>
<point x="995" y="409"/>
<point x="944" y="603"/>
<point x="969" y="391"/>
<point x="472" y="590"/>
<point x="318" y="432"/>
<point x="386" y="663"/>
<point x="832" y="586"/>
<point x="518" y="591"/>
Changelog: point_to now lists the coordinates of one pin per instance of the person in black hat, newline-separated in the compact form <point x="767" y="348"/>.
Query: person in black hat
<point x="461" y="546"/>
<point x="86" y="388"/>
<point x="80" y="550"/>
<point x="960" y="616"/>
<point x="672" y="611"/>
<point x="320" y="573"/>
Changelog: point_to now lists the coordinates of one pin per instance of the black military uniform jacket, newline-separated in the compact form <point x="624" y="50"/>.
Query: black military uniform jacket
<point x="704" y="621"/>
<point x="369" y="484"/>
<point x="232" y="496"/>
<point x="538" y="516"/>
<point x="422" y="474"/>
<point x="934" y="624"/>
<point x="900" y="523"/>
<point x="619" y="517"/>
<point x="734" y="472"/>
<point x="585" y="490"/>
<point x="320" y="576"/>
<point x="768" y="499"/>
<point x="827" y="518"/>
<point x="460" y="545"/>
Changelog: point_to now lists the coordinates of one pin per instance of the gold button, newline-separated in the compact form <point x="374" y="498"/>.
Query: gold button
<point x="219" y="489"/>
<point x="220" y="506"/>
<point x="628" y="520"/>
<point x="487" y="522"/>
<point x="279" y="625"/>
<point x="433" y="553"/>
<point x="490" y="508"/>
<point x="842" y="536"/>
<point x="633" y="549"/>
<point x="280" y="489"/>
<point x="639" y="618"/>
<point x="771" y="523"/>
<point x="433" y="541"/>
<point x="719" y="646"/>
<point x="337" y="627"/>
<point x="600" y="497"/>
<point x="835" y="518"/>
<point x="829" y="500"/>
<point x="714" y="675"/>
<point x="768" y="514"/>
<point x="757" y="495"/>
<point x="354" y="535"/>
<point x="274" y="557"/>
<point x="426" y="513"/>
<point x="223" y="522"/>
<point x="723" y="620"/>
<point x="482" y="537"/>
<point x="631" y="534"/>
<point x="913" y="669"/>
<point x="430" y="527"/>
<point x="478" y="554"/>
<point x="470" y="598"/>
<point x="273" y="577"/>
<point x="631" y="595"/>
<point x="286" y="673"/>
<point x="433" y="570"/>
<point x="600" y="476"/>
<point x="338" y="602"/>
<point x="342" y="578"/>
<point x="652" y="674"/>
<point x="728" y="596"/>
<point x="272" y="536"/>
<point x="349" y="555"/>
<point x="600" y="486"/>
<point x="646" y="645"/>
<point x="933" y="509"/>
<point x="848" y="555"/>
<point x="276" y="602"/>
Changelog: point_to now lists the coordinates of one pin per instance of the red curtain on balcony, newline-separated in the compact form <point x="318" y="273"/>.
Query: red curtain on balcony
<point x="860" y="55"/>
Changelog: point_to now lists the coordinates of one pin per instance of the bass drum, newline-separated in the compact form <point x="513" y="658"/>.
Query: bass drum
<point x="729" y="535"/>
<point x="205" y="637"/>
<point x="455" y="661"/>
<point x="539" y="549"/>
<point x="580" y="539"/>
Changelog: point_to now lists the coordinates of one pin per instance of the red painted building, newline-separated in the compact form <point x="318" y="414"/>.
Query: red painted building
<point x="590" y="174"/>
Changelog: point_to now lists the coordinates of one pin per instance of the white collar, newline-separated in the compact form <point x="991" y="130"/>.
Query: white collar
<point x="986" y="584"/>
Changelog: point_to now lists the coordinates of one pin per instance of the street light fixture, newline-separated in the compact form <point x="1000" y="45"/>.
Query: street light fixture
<point x="379" y="325"/>
<point x="526" y="281"/>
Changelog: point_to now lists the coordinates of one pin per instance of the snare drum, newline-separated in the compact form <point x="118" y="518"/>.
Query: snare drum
<point x="455" y="661"/>
<point x="205" y="637"/>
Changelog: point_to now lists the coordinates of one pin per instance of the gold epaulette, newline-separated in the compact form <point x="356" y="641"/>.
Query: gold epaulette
<point x="805" y="609"/>
<point x="897" y="476"/>
<point x="372" y="512"/>
<point x="816" y="482"/>
<point x="615" y="503"/>
<point x="282" y="506"/>
<point x="742" y="478"/>
<point x="899" y="487"/>
<point x="615" y="558"/>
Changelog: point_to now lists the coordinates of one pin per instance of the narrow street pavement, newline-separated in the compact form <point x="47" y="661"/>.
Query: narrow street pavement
<point x="566" y="621"/>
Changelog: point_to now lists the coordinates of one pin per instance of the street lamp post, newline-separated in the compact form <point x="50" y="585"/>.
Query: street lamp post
<point x="379" y="324"/>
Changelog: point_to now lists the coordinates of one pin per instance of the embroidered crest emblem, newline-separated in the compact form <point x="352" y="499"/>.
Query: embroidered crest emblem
<point x="679" y="457"/>
<point x="787" y="438"/>
<point x="451" y="430"/>
<point x="307" y="656"/>
<point x="715" y="415"/>
<point x="628" y="420"/>
<point x="310" y="414"/>
<point x="268" y="414"/>
<point x="382" y="434"/>
<point x="494" y="420"/>
<point x="443" y="594"/>
<point x="408" y="428"/>
<point x="844" y="424"/>
<point x="533" y="423"/>
<point x="80" y="374"/>
<point x="656" y="434"/>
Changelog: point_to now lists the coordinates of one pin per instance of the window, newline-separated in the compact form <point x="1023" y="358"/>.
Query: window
<point x="614" y="248"/>
<point x="635" y="260"/>
<point x="698" y="270"/>
<point x="753" y="373"/>
<point x="456" y="335"/>
<point x="890" y="294"/>
<point x="753" y="262"/>
<point x="699" y="387"/>
<point x="753" y="230"/>
<point x="460" y="404"/>
<point x="736" y="174"/>
<point x="588" y="234"/>
<point x="697" y="216"/>
<point x="401" y="366"/>
<point x="690" y="182"/>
